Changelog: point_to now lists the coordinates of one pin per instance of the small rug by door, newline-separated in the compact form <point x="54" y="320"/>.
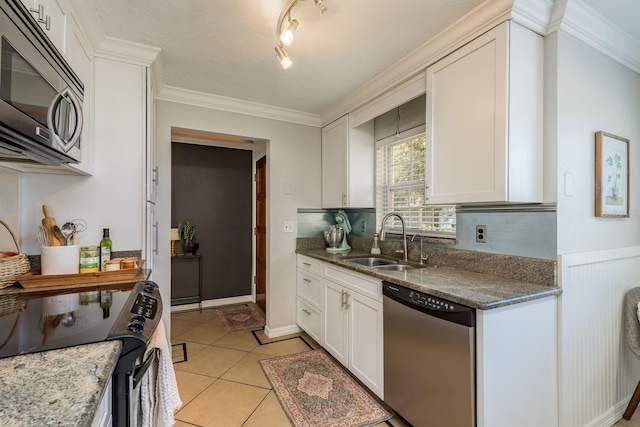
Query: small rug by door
<point x="315" y="391"/>
<point x="241" y="317"/>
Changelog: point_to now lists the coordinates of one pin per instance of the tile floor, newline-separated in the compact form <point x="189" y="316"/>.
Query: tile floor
<point x="222" y="383"/>
<point x="633" y="422"/>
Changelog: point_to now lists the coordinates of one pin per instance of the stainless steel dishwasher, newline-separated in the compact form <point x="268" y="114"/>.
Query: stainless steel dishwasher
<point x="429" y="358"/>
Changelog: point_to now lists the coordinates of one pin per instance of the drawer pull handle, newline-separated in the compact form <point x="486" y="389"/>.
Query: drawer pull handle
<point x="308" y="264"/>
<point x="306" y="311"/>
<point x="306" y="280"/>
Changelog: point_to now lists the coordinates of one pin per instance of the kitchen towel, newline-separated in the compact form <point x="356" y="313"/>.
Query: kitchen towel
<point x="159" y="396"/>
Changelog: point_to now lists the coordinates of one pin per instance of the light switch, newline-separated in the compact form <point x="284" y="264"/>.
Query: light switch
<point x="568" y="184"/>
<point x="288" y="226"/>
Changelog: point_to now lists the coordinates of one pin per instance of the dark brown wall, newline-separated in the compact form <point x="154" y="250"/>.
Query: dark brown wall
<point x="212" y="187"/>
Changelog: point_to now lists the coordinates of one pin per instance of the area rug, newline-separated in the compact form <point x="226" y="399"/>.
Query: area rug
<point x="315" y="391"/>
<point x="241" y="318"/>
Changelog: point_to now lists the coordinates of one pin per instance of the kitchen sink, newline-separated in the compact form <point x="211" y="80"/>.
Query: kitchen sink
<point x="372" y="261"/>
<point x="395" y="267"/>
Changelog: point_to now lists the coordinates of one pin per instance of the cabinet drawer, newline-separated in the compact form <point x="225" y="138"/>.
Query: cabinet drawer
<point x="309" y="264"/>
<point x="366" y="285"/>
<point x="310" y="320"/>
<point x="310" y="288"/>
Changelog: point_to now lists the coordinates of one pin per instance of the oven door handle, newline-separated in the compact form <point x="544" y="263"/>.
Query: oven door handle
<point x="141" y="370"/>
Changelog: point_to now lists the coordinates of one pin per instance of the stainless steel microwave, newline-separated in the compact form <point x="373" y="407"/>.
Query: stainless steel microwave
<point x="40" y="95"/>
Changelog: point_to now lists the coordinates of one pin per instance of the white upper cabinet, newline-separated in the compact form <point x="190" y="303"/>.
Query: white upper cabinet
<point x="348" y="165"/>
<point x="484" y="120"/>
<point x="51" y="15"/>
<point x="80" y="58"/>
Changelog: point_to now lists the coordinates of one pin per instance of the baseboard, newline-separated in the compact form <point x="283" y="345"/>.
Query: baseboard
<point x="212" y="303"/>
<point x="284" y="330"/>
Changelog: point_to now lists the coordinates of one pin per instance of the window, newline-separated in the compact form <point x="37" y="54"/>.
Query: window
<point x="400" y="186"/>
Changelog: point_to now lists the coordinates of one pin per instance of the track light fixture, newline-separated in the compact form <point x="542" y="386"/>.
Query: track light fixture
<point x="284" y="59"/>
<point x="286" y="36"/>
<point x="286" y="33"/>
<point x="321" y="7"/>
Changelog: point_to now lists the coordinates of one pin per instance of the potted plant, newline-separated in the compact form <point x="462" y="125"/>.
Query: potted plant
<point x="187" y="232"/>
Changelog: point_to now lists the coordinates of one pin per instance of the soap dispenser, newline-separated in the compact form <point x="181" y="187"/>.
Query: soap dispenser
<point x="375" y="249"/>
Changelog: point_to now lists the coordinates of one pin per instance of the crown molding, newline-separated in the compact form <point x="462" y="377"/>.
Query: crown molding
<point x="579" y="20"/>
<point x="200" y="99"/>
<point x="126" y="51"/>
<point x="541" y="16"/>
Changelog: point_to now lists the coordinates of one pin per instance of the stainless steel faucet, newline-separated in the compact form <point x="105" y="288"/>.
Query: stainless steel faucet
<point x="404" y="232"/>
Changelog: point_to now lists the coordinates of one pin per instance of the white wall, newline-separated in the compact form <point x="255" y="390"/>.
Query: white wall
<point x="594" y="93"/>
<point x="293" y="157"/>
<point x="9" y="213"/>
<point x="598" y="257"/>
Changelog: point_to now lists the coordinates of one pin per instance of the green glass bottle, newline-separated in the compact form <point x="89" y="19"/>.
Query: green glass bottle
<point x="105" y="249"/>
<point x="105" y="303"/>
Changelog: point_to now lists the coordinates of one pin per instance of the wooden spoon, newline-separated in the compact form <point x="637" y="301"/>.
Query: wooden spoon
<point x="48" y="223"/>
<point x="58" y="234"/>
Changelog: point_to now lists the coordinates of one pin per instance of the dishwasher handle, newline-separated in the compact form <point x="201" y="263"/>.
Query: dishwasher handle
<point x="431" y="305"/>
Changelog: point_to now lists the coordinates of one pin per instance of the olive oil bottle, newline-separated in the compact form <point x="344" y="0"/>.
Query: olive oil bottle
<point x="105" y="249"/>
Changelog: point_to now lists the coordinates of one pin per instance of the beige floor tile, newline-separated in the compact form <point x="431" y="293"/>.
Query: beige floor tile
<point x="211" y="361"/>
<point x="397" y="422"/>
<point x="224" y="403"/>
<point x="283" y="348"/>
<point x="633" y="422"/>
<point x="180" y="326"/>
<point x="181" y="424"/>
<point x="191" y="385"/>
<point x="240" y="340"/>
<point x="269" y="414"/>
<point x="249" y="371"/>
<point x="203" y="334"/>
<point x="192" y="347"/>
<point x="196" y="315"/>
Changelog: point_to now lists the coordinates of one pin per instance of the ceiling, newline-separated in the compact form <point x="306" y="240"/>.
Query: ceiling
<point x="226" y="47"/>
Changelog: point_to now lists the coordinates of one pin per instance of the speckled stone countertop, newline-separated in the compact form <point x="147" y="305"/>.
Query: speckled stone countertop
<point x="58" y="387"/>
<point x="477" y="290"/>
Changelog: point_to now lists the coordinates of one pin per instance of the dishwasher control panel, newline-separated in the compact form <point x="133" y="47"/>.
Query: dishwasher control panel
<point x="429" y="304"/>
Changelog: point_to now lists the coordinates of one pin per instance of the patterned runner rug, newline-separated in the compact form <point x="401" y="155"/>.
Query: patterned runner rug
<point x="315" y="391"/>
<point x="241" y="317"/>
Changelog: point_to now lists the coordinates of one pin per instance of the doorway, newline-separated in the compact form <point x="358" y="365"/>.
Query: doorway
<point x="212" y="187"/>
<point x="261" y="234"/>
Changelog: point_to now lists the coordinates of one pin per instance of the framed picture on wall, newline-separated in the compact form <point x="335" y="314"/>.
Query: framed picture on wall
<point x="612" y="176"/>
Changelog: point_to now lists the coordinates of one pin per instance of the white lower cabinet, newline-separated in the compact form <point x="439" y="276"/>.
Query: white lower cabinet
<point x="342" y="310"/>
<point x="336" y="321"/>
<point x="102" y="417"/>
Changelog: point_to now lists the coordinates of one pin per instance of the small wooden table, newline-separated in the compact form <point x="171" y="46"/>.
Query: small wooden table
<point x="186" y="279"/>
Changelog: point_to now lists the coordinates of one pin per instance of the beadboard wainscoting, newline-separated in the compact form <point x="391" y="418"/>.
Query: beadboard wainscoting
<point x="597" y="370"/>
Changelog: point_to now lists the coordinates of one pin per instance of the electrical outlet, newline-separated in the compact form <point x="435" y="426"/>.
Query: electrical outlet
<point x="288" y="226"/>
<point x="481" y="233"/>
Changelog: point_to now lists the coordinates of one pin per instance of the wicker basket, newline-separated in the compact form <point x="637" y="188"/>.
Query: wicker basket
<point x="13" y="266"/>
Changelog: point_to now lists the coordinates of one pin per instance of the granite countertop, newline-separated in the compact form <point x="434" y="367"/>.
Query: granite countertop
<point x="477" y="290"/>
<point x="57" y="387"/>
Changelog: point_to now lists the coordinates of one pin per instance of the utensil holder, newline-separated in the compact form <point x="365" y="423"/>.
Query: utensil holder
<point x="60" y="260"/>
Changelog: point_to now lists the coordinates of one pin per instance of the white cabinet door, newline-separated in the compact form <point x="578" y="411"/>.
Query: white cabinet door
<point x="348" y="165"/>
<point x="366" y="346"/>
<point x="51" y="15"/>
<point x="484" y="139"/>
<point x="336" y="321"/>
<point x="334" y="163"/>
<point x="80" y="57"/>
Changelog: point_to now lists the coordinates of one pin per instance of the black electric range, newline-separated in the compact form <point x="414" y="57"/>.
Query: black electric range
<point x="32" y="322"/>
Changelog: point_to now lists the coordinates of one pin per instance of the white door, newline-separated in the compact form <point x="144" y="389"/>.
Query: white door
<point x="336" y="322"/>
<point x="366" y="344"/>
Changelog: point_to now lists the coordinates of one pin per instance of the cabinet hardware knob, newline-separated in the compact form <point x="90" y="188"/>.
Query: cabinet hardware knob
<point x="306" y="311"/>
<point x="306" y="280"/>
<point x="308" y="264"/>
